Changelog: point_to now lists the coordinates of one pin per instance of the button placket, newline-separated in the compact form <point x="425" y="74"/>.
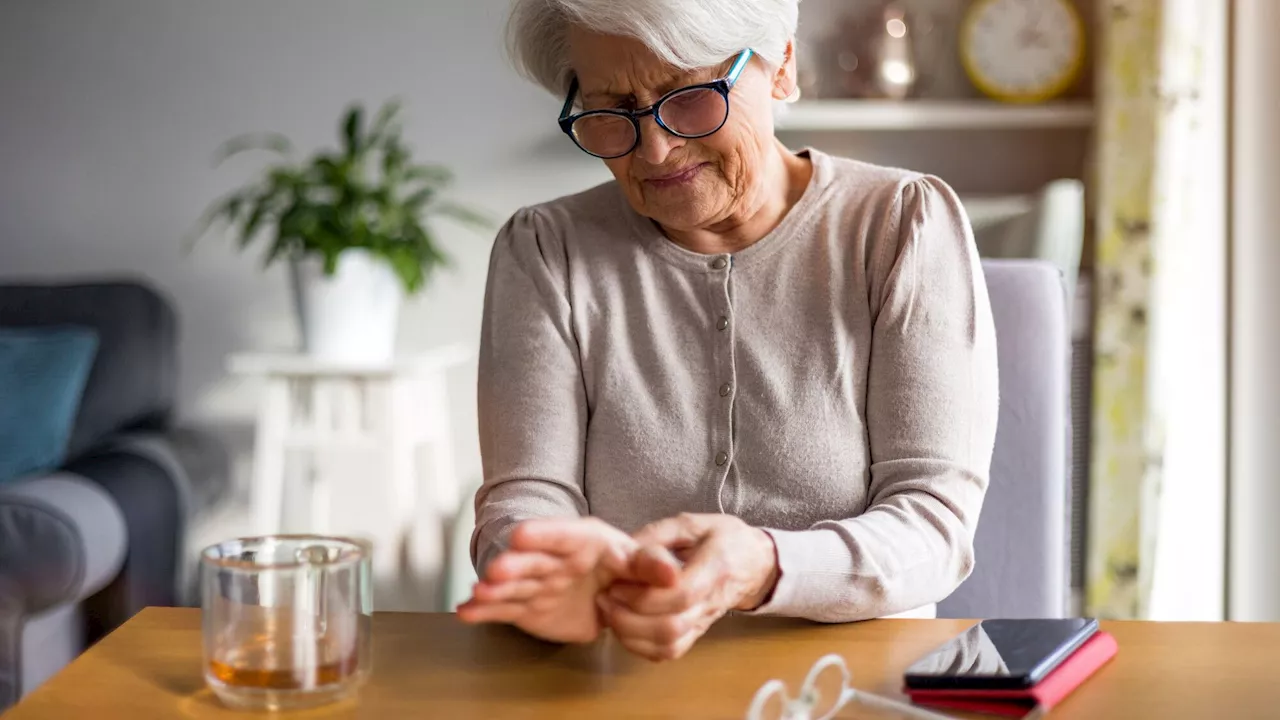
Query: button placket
<point x="721" y="433"/>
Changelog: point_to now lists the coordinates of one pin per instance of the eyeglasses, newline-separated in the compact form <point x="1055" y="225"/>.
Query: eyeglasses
<point x="825" y="691"/>
<point x="690" y="112"/>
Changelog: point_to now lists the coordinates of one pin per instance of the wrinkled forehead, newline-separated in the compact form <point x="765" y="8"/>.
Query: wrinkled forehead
<point x="614" y="66"/>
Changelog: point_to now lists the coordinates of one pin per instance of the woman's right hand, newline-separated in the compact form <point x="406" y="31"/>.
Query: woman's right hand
<point x="547" y="581"/>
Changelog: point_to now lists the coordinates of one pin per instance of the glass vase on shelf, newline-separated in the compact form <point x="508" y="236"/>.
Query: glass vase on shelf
<point x="877" y="54"/>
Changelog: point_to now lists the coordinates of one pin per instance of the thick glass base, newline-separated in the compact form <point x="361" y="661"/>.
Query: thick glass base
<point x="256" y="698"/>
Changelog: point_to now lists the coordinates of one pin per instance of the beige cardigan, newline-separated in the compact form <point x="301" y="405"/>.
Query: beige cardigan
<point x="834" y="383"/>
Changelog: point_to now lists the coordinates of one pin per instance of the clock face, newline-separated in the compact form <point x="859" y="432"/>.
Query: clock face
<point x="1022" y="50"/>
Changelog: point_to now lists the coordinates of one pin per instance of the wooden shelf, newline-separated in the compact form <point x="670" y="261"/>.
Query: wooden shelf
<point x="831" y="115"/>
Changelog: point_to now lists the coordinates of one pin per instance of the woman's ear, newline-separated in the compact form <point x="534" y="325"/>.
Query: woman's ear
<point x="785" y="85"/>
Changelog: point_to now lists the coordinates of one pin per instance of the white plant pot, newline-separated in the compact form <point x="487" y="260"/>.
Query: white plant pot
<point x="351" y="317"/>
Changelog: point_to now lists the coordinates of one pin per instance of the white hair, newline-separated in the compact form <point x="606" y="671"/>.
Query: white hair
<point x="687" y="34"/>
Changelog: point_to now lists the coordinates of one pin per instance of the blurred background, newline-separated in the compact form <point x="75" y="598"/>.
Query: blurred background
<point x="224" y="397"/>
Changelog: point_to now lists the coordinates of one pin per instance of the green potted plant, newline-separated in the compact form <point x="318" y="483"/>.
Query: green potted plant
<point x="354" y="225"/>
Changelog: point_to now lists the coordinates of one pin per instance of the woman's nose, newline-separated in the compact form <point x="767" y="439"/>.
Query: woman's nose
<point x="655" y="143"/>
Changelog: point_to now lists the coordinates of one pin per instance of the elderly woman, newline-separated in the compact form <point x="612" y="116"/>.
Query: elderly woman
<point x="734" y="378"/>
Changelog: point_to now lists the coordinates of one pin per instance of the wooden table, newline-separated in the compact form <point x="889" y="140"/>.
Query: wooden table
<point x="431" y="666"/>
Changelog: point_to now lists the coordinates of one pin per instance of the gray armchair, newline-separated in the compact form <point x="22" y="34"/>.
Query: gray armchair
<point x="84" y="548"/>
<point x="64" y="540"/>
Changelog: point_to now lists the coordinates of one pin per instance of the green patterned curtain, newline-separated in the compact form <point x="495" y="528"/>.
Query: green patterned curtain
<point x="1149" y="65"/>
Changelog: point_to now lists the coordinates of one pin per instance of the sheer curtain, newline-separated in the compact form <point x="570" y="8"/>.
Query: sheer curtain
<point x="1157" y="480"/>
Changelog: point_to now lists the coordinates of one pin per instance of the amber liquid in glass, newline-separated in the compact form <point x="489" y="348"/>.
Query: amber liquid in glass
<point x="286" y="678"/>
<point x="263" y="663"/>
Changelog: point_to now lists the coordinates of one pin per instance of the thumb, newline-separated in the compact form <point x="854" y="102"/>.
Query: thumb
<point x="655" y="565"/>
<point x="616" y="555"/>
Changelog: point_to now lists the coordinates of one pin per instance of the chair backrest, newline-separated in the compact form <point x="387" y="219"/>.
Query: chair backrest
<point x="133" y="382"/>
<point x="1022" y="542"/>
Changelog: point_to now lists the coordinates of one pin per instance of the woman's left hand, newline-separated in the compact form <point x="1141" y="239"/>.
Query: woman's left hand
<point x="547" y="581"/>
<point x="729" y="565"/>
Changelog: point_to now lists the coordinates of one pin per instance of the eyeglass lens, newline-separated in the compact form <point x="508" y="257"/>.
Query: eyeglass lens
<point x="827" y="692"/>
<point x="605" y="134"/>
<point x="695" y="112"/>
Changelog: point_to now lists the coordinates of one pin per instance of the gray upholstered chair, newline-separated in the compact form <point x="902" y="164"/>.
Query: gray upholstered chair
<point x="1023" y="542"/>
<point x="84" y="547"/>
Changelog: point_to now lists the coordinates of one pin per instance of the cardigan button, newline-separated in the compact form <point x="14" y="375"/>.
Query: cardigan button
<point x="722" y="323"/>
<point x="722" y="458"/>
<point x="719" y="263"/>
<point x="725" y="389"/>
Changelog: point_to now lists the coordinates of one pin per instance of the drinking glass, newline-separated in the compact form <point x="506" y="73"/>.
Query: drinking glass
<point x="287" y="620"/>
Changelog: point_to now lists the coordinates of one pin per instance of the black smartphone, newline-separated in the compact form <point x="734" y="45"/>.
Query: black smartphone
<point x="1001" y="654"/>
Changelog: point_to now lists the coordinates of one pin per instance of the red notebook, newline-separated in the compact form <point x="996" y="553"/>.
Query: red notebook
<point x="1053" y="689"/>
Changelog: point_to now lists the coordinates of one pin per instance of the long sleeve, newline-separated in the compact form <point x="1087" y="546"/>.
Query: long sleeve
<point x="532" y="403"/>
<point x="931" y="409"/>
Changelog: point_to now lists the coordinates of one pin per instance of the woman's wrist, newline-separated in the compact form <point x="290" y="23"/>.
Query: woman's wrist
<point x="766" y="577"/>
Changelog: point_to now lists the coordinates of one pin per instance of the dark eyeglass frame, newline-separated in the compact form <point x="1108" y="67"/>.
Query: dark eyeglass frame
<point x="722" y="85"/>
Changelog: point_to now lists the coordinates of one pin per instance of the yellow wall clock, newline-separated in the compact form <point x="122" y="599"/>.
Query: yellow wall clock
<point x="1022" y="51"/>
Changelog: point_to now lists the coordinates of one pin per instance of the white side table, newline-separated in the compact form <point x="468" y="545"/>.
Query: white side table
<point x="394" y="416"/>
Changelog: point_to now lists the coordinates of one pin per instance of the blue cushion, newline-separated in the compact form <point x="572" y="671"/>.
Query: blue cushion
<point x="42" y="376"/>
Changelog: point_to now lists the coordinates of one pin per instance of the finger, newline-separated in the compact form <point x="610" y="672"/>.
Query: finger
<point x="655" y="565"/>
<point x="518" y="590"/>
<point x="680" y="531"/>
<point x="694" y="585"/>
<point x="567" y="537"/>
<point x="707" y="568"/>
<point x="614" y="558"/>
<point x="650" y="600"/>
<point x="555" y="536"/>
<point x="655" y="652"/>
<point x="517" y="565"/>
<point x="669" y="643"/>
<point x="477" y="612"/>
<point x="657" y="629"/>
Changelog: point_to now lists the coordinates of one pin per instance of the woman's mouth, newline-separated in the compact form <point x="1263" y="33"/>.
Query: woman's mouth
<point x="680" y="177"/>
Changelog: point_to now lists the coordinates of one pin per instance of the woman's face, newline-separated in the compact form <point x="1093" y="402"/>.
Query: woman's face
<point x="682" y="184"/>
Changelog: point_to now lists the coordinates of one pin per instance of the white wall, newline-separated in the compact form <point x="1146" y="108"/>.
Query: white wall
<point x="110" y="113"/>
<point x="1254" y="533"/>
